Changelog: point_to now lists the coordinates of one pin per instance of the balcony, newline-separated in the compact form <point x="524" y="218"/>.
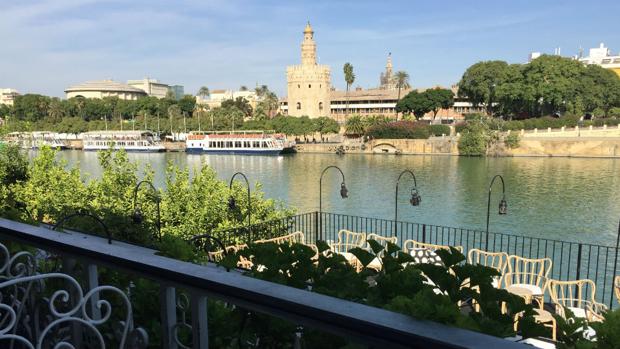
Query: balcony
<point x="52" y="297"/>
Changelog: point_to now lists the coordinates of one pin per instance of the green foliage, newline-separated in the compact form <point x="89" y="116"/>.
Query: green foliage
<point x="512" y="140"/>
<point x="325" y="125"/>
<point x="354" y="126"/>
<point x="547" y="85"/>
<point x="474" y="139"/>
<point x="438" y="130"/>
<point x="436" y="293"/>
<point x="415" y="103"/>
<point x="608" y="331"/>
<point x="399" y="130"/>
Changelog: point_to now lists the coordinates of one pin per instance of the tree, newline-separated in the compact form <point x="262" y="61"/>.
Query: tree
<point x="261" y="91"/>
<point x="415" y="103"/>
<point x="204" y="92"/>
<point x="171" y="95"/>
<point x="440" y="98"/>
<point x="326" y="125"/>
<point x="354" y="126"/>
<point x="243" y="88"/>
<point x="240" y="103"/>
<point x="349" y="78"/>
<point x="480" y="80"/>
<point x="174" y="112"/>
<point x="402" y="82"/>
<point x="599" y="88"/>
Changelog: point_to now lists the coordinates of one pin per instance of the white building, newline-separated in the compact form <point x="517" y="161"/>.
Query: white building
<point x="216" y="97"/>
<point x="602" y="56"/>
<point x="104" y="88"/>
<point x="152" y="87"/>
<point x="7" y="95"/>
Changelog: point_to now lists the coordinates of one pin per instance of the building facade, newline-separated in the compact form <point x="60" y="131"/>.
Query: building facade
<point x="216" y="97"/>
<point x="178" y="91"/>
<point x="7" y="96"/>
<point x="152" y="87"/>
<point x="104" y="88"/>
<point x="602" y="56"/>
<point x="308" y="84"/>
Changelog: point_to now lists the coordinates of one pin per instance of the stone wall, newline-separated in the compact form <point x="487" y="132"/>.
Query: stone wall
<point x="571" y="147"/>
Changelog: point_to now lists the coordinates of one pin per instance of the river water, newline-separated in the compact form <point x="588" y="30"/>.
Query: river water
<point x="572" y="199"/>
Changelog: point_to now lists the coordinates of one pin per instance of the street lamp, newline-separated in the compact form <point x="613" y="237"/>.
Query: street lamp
<point x="137" y="216"/>
<point x="414" y="200"/>
<point x="62" y="221"/>
<point x="232" y="204"/>
<point x="344" y="193"/>
<point x="503" y="206"/>
<point x="205" y="242"/>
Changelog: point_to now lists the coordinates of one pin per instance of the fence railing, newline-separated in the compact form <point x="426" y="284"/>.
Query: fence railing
<point x="82" y="323"/>
<point x="571" y="260"/>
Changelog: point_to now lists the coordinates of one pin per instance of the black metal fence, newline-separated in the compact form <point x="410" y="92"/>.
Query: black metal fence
<point x="571" y="260"/>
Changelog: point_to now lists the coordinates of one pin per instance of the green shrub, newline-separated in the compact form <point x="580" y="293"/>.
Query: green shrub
<point x="460" y="127"/>
<point x="438" y="130"/>
<point x="514" y="125"/>
<point x="399" y="130"/>
<point x="615" y="112"/>
<point x="474" y="140"/>
<point x="512" y="140"/>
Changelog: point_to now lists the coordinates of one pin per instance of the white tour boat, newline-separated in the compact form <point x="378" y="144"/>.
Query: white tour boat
<point x="131" y="141"/>
<point x="239" y="142"/>
<point x="35" y="140"/>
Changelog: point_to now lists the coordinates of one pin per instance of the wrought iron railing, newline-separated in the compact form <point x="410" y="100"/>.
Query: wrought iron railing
<point x="571" y="260"/>
<point x="78" y="316"/>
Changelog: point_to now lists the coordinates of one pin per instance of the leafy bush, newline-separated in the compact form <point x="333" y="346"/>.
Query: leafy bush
<point x="474" y="140"/>
<point x="615" y="112"/>
<point x="399" y="130"/>
<point x="512" y="140"/>
<point x="438" y="130"/>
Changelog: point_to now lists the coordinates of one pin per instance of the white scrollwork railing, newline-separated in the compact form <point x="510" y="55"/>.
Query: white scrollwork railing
<point x="50" y="310"/>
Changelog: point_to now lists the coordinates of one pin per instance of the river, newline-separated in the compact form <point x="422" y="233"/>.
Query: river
<point x="572" y="199"/>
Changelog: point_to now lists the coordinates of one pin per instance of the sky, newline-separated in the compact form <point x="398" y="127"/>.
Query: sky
<point x="46" y="46"/>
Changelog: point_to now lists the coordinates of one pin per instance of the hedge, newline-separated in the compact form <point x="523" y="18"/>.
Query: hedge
<point x="438" y="130"/>
<point x="399" y="130"/>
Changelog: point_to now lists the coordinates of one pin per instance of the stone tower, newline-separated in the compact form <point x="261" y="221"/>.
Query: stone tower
<point x="386" y="79"/>
<point x="308" y="84"/>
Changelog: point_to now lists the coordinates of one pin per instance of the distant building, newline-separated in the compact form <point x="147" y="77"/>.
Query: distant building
<point x="532" y="56"/>
<point x="178" y="91"/>
<point x="602" y="56"/>
<point x="152" y="87"/>
<point x="104" y="88"/>
<point x="308" y="84"/>
<point x="387" y="80"/>
<point x="216" y="97"/>
<point x="7" y="95"/>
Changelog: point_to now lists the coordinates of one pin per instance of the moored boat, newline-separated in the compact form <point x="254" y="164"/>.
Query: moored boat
<point x="239" y="142"/>
<point x="130" y="141"/>
<point x="35" y="140"/>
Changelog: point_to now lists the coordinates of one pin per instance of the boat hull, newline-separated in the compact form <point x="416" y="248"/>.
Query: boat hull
<point x="234" y="151"/>
<point x="129" y="150"/>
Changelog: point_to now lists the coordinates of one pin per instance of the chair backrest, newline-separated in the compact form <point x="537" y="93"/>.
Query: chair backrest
<point x="617" y="287"/>
<point x="574" y="294"/>
<point x="530" y="271"/>
<point x="381" y="239"/>
<point x="495" y="260"/>
<point x="412" y="244"/>
<point x="349" y="239"/>
<point x="219" y="255"/>
<point x="296" y="237"/>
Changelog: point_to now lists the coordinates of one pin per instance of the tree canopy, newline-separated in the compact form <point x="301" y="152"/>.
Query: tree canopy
<point x="545" y="86"/>
<point x="420" y="103"/>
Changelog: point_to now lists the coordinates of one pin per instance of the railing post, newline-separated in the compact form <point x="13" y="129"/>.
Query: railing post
<point x="200" y="331"/>
<point x="92" y="281"/>
<point x="316" y="226"/>
<point x="578" y="273"/>
<point x="168" y="302"/>
<point x="424" y="233"/>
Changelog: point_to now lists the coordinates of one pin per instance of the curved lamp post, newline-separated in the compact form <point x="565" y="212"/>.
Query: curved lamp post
<point x="62" y="221"/>
<point x="137" y="216"/>
<point x="344" y="193"/>
<point x="503" y="206"/>
<point x="209" y="241"/>
<point x="415" y="199"/>
<point x="232" y="204"/>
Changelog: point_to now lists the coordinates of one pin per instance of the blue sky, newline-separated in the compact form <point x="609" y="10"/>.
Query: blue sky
<point x="46" y="46"/>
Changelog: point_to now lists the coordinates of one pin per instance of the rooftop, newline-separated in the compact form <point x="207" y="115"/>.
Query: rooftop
<point x="104" y="85"/>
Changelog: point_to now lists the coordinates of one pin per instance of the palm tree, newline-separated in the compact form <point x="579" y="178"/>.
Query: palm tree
<point x="271" y="102"/>
<point x="402" y="81"/>
<point x="349" y="78"/>
<point x="261" y="91"/>
<point x="204" y="92"/>
<point x="355" y="126"/>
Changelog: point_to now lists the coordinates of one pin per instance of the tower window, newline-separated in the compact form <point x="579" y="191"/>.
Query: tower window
<point x="298" y="86"/>
<point x="298" y="106"/>
<point x="320" y="105"/>
<point x="309" y="86"/>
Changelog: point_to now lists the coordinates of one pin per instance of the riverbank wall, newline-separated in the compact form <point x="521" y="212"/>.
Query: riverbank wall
<point x="595" y="147"/>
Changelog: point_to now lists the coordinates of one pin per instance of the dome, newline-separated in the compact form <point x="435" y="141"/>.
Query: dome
<point x="308" y="28"/>
<point x="104" y="85"/>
